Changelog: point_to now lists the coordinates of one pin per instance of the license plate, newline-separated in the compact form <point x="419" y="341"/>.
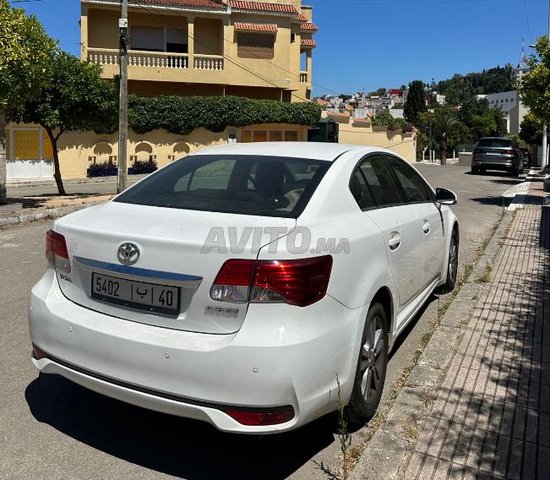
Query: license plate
<point x="141" y="295"/>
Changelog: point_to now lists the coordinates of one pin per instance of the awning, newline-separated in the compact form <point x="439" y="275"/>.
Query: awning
<point x="255" y="27"/>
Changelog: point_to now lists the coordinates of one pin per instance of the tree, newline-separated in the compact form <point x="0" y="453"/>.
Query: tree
<point x="74" y="98"/>
<point x="25" y="49"/>
<point x="416" y="102"/>
<point x="531" y="129"/>
<point x="443" y="123"/>
<point x="534" y="85"/>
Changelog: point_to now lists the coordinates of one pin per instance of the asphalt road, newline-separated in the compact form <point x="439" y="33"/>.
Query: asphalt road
<point x="51" y="428"/>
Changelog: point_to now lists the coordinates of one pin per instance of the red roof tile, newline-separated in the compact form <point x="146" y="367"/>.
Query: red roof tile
<point x="185" y="3"/>
<point x="262" y="6"/>
<point x="302" y="18"/>
<point x="308" y="27"/>
<point x="255" y="27"/>
<point x="309" y="43"/>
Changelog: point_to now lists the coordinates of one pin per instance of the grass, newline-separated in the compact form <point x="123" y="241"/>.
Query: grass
<point x="486" y="276"/>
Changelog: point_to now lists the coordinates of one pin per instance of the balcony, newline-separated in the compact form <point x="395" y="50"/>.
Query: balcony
<point x="105" y="56"/>
<point x="303" y="77"/>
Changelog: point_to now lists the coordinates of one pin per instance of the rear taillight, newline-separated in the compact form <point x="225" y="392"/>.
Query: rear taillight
<point x="56" y="251"/>
<point x="300" y="282"/>
<point x="259" y="417"/>
<point x="510" y="151"/>
<point x="477" y="151"/>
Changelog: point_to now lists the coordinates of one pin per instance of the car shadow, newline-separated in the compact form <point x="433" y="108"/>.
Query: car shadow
<point x="168" y="444"/>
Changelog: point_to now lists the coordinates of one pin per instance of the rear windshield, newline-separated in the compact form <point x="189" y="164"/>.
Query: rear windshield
<point x="494" y="142"/>
<point x="242" y="184"/>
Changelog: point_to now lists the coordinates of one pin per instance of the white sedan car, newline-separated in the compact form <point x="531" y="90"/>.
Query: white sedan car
<point x="249" y="286"/>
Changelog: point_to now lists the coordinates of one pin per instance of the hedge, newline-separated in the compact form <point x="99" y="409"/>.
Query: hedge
<point x="182" y="115"/>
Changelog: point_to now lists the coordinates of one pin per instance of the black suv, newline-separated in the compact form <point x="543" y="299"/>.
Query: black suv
<point x="495" y="153"/>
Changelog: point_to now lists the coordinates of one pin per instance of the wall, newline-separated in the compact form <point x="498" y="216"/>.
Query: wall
<point x="404" y="144"/>
<point x="78" y="150"/>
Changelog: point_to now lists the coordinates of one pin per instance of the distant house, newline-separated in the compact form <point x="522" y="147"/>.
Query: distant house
<point x="514" y="111"/>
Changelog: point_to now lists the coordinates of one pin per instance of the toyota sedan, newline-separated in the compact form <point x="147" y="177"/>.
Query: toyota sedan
<point x="249" y="286"/>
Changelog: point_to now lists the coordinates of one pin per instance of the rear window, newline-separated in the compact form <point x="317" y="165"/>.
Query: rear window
<point x="243" y="184"/>
<point x="494" y="142"/>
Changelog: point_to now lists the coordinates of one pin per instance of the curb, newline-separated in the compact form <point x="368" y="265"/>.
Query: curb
<point x="43" y="214"/>
<point x="388" y="452"/>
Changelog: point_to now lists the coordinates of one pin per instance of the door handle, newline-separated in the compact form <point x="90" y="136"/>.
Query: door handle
<point x="426" y="227"/>
<point x="394" y="241"/>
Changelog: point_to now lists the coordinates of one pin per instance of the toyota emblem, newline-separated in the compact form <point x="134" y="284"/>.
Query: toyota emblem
<point x="128" y="253"/>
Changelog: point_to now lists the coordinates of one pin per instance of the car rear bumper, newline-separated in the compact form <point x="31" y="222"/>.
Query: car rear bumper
<point x="274" y="361"/>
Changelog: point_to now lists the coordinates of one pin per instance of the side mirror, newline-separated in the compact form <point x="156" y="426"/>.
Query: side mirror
<point x="445" y="196"/>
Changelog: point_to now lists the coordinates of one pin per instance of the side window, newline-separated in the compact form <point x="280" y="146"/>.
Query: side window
<point x="413" y="186"/>
<point x="380" y="181"/>
<point x="360" y="190"/>
<point x="212" y="176"/>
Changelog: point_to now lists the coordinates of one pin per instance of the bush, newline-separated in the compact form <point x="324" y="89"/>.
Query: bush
<point x="105" y="169"/>
<point x="140" y="167"/>
<point x="182" y="115"/>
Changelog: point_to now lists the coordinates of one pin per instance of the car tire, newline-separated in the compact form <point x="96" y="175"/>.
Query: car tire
<point x="475" y="170"/>
<point x="452" y="265"/>
<point x="371" y="368"/>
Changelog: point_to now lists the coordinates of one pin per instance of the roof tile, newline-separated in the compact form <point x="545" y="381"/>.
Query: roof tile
<point x="308" y="27"/>
<point x="309" y="43"/>
<point x="185" y="3"/>
<point x="262" y="6"/>
<point x="255" y="27"/>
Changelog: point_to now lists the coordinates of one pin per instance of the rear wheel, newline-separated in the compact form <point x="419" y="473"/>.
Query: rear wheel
<point x="371" y="368"/>
<point x="452" y="265"/>
<point x="475" y="170"/>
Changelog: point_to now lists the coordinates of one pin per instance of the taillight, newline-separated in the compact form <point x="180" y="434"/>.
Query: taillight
<point x="510" y="151"/>
<point x="477" y="151"/>
<point x="300" y="282"/>
<point x="258" y="417"/>
<point x="56" y="251"/>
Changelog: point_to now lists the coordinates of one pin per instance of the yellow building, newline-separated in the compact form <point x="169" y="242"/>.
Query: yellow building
<point x="255" y="49"/>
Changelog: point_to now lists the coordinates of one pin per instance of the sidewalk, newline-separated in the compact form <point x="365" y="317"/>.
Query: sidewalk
<point x="490" y="416"/>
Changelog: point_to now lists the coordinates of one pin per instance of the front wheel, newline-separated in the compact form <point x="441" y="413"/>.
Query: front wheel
<point x="371" y="368"/>
<point x="452" y="265"/>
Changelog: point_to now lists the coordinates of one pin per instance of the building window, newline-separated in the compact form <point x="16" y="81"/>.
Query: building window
<point x="255" y="45"/>
<point x="158" y="39"/>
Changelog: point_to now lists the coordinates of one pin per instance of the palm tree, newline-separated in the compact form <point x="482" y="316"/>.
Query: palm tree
<point x="444" y="121"/>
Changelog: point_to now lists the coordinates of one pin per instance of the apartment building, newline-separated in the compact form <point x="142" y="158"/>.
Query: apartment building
<point x="256" y="49"/>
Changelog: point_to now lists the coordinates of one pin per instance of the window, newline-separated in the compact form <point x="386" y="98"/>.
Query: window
<point x="158" y="39"/>
<point x="413" y="186"/>
<point x="380" y="181"/>
<point x="360" y="191"/>
<point x="241" y="184"/>
<point x="255" y="45"/>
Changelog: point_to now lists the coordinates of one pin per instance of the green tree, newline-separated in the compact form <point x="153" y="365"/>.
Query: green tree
<point x="25" y="50"/>
<point x="531" y="129"/>
<point x="416" y="102"/>
<point x="74" y="98"/>
<point x="443" y="124"/>
<point x="534" y="85"/>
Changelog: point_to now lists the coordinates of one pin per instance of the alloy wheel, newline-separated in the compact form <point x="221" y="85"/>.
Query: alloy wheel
<point x="372" y="362"/>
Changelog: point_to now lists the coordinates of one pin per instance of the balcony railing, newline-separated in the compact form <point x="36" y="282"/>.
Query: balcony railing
<point x="208" y="62"/>
<point x="303" y="77"/>
<point x="105" y="56"/>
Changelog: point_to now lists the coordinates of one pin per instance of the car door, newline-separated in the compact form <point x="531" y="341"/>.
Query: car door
<point x="417" y="193"/>
<point x="399" y="225"/>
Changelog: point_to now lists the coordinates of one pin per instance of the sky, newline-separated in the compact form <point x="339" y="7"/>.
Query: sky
<point x="367" y="44"/>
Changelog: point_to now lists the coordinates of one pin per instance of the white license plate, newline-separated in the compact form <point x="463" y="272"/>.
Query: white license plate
<point x="141" y="295"/>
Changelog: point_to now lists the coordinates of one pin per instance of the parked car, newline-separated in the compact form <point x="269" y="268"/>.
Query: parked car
<point x="249" y="286"/>
<point x="495" y="153"/>
<point x="527" y="158"/>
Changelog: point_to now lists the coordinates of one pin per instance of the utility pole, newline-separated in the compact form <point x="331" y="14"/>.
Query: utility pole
<point x="122" y="176"/>
<point x="545" y="126"/>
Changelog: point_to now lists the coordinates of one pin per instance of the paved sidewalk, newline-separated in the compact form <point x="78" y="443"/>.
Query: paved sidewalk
<point x="491" y="416"/>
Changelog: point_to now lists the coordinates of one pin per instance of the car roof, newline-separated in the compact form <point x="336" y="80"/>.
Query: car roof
<point x="312" y="150"/>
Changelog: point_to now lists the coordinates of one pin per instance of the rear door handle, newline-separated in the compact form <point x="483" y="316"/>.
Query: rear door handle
<point x="426" y="227"/>
<point x="394" y="241"/>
